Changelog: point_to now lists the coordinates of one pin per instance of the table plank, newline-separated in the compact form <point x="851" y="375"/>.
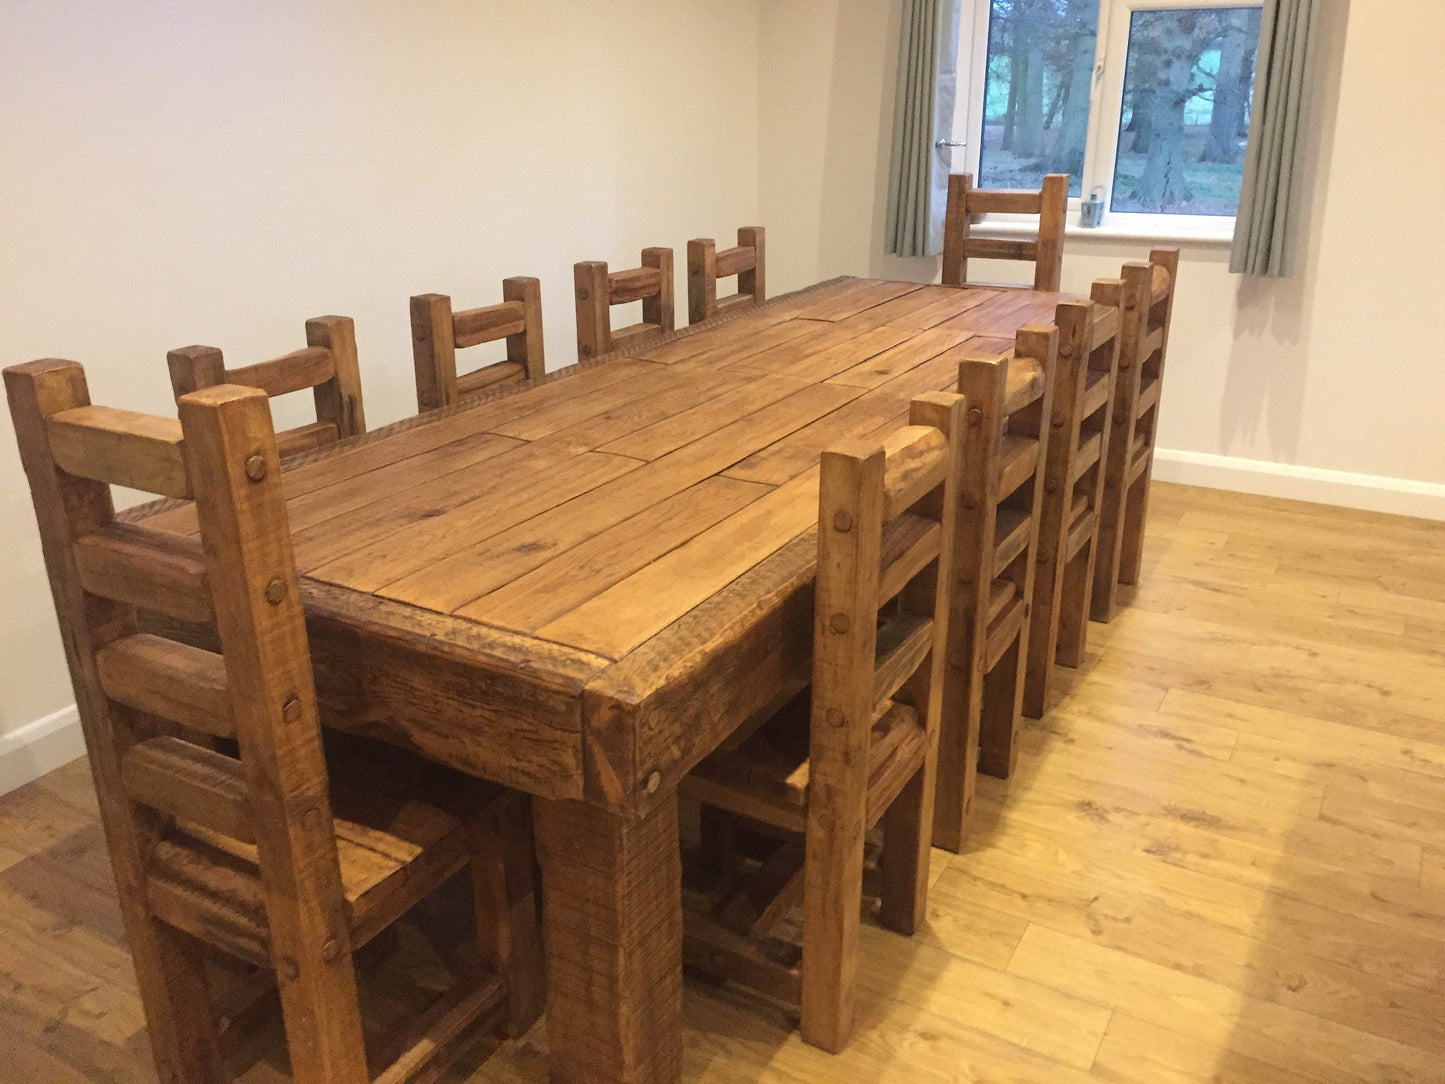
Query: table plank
<point x="591" y="433"/>
<point x="497" y="559"/>
<point x="867" y="294"/>
<point x="928" y="307"/>
<point x="837" y="348"/>
<point x="578" y="409"/>
<point x="410" y="530"/>
<point x="657" y="440"/>
<point x="879" y="410"/>
<point x="740" y="340"/>
<point x="1006" y="314"/>
<point x="623" y="616"/>
<point x="897" y="360"/>
<point x="577" y="574"/>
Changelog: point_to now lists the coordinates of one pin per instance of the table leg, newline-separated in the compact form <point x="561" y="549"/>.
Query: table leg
<point x="612" y="926"/>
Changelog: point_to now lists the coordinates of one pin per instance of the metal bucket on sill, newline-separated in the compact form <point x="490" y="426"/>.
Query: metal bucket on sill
<point x="1091" y="209"/>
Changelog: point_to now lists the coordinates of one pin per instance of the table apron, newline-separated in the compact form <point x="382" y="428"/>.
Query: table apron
<point x="492" y="723"/>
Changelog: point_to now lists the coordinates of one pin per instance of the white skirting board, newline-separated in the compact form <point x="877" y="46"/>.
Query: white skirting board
<point x="1371" y="492"/>
<point x="39" y="747"/>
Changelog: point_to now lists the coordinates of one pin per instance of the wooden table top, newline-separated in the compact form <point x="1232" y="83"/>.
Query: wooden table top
<point x="571" y="529"/>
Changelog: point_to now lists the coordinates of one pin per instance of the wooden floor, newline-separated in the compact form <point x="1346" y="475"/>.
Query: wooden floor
<point x="1222" y="857"/>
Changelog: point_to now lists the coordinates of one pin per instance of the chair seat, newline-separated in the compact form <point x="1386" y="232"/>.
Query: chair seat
<point x="766" y="777"/>
<point x="392" y="851"/>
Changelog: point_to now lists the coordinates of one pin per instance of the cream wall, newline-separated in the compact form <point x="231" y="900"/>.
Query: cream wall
<point x="1326" y="386"/>
<point x="182" y="172"/>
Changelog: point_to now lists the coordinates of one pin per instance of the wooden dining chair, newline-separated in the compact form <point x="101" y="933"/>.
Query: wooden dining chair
<point x="266" y="856"/>
<point x="437" y="333"/>
<point x="857" y="746"/>
<point x="598" y="291"/>
<point x="1073" y="487"/>
<point x="1145" y="311"/>
<point x="327" y="366"/>
<point x="1005" y="443"/>
<point x="705" y="265"/>
<point x="966" y="204"/>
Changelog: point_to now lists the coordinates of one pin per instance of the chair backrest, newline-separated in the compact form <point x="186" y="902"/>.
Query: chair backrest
<point x="437" y="333"/>
<point x="966" y="204"/>
<point x="327" y="365"/>
<point x="1163" y="270"/>
<point x="705" y="265"/>
<point x="598" y="291"/>
<point x="1146" y="301"/>
<point x="885" y="516"/>
<point x="1010" y="400"/>
<point x="1073" y="474"/>
<point x="151" y="707"/>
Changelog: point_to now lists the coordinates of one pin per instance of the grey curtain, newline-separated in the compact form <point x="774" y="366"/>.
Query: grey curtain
<point x="1270" y="197"/>
<point x="922" y="116"/>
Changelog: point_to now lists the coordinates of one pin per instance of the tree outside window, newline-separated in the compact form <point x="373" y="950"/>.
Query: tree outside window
<point x="1176" y="134"/>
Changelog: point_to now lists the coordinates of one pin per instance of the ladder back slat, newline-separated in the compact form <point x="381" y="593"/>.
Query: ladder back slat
<point x="296" y="371"/>
<point x="633" y="284"/>
<point x="1019" y="457"/>
<point x="915" y="462"/>
<point x="472" y="327"/>
<point x="736" y="260"/>
<point x="1005" y="201"/>
<point x="306" y="438"/>
<point x="147" y="568"/>
<point x="492" y="376"/>
<point x="1002" y="248"/>
<point x="172" y="680"/>
<point x="192" y="783"/>
<point x="909" y="543"/>
<point x="902" y="644"/>
<point x="122" y="448"/>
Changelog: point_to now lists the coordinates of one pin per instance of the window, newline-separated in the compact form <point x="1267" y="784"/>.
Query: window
<point x="1148" y="100"/>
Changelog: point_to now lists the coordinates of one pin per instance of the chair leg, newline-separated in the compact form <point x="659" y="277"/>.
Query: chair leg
<point x="170" y="969"/>
<point x="1074" y="607"/>
<point x="907" y="841"/>
<point x="505" y="890"/>
<point x="322" y="1014"/>
<point x="1136" y="510"/>
<point x="832" y="890"/>
<point x="958" y="747"/>
<point x="1002" y="708"/>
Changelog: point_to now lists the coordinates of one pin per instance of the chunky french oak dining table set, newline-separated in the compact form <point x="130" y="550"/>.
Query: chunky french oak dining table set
<point x="584" y="585"/>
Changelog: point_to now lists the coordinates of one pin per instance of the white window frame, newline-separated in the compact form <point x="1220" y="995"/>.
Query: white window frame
<point x="1106" y="109"/>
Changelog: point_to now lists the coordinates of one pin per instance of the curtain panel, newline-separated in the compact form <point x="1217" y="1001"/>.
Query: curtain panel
<point x="922" y="117"/>
<point x="1267" y="225"/>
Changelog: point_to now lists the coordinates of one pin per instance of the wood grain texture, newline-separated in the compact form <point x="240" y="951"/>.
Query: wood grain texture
<point x="612" y="918"/>
<point x="328" y="365"/>
<point x="747" y="261"/>
<point x="242" y="852"/>
<point x="437" y="333"/>
<point x="634" y="668"/>
<point x="597" y="290"/>
<point x="967" y="205"/>
<point x="1198" y="920"/>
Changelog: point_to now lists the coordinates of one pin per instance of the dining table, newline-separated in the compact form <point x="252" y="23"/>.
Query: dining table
<point x="580" y="586"/>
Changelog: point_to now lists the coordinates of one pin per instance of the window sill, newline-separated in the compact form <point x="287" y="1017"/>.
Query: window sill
<point x="1119" y="231"/>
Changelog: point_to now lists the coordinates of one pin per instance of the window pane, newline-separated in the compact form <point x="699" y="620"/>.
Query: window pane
<point x="1188" y="85"/>
<point x="1036" y="100"/>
